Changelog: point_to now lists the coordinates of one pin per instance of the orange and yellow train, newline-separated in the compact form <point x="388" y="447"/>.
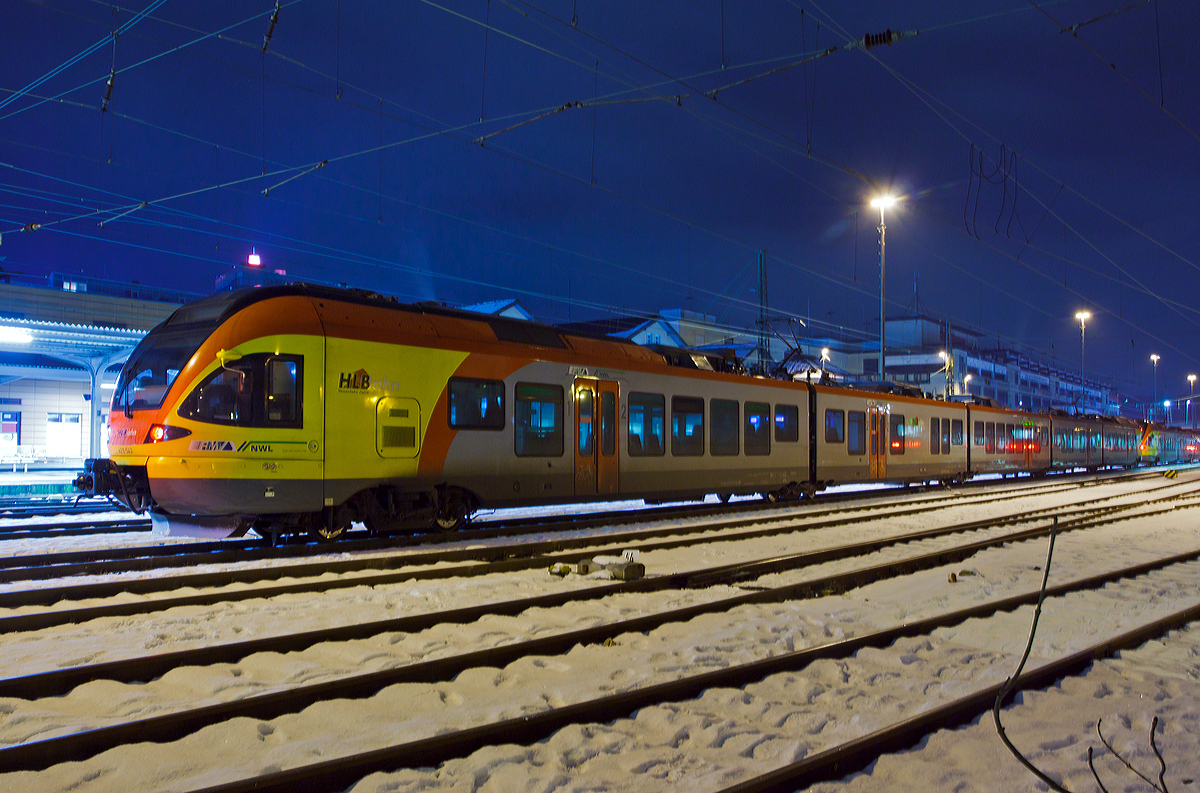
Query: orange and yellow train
<point x="304" y="408"/>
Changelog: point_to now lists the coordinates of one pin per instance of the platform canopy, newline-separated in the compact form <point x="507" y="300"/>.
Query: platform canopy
<point x="37" y="349"/>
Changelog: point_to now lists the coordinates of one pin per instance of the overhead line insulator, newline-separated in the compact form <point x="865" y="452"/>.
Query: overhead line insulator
<point x="878" y="39"/>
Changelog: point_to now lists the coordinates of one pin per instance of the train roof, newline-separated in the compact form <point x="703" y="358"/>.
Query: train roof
<point x="215" y="309"/>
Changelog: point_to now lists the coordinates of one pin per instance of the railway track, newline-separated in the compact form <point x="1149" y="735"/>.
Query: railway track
<point x="339" y="773"/>
<point x="40" y="754"/>
<point x="450" y="563"/>
<point x="109" y="561"/>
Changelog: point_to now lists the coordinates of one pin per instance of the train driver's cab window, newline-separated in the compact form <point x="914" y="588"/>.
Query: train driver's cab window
<point x="787" y="423"/>
<point x="935" y="432"/>
<point x="856" y="432"/>
<point x="538" y="420"/>
<point x="687" y="426"/>
<point x="476" y="404"/>
<point x="257" y="390"/>
<point x="896" y="433"/>
<point x="282" y="382"/>
<point x="758" y="428"/>
<point x="835" y="426"/>
<point x="725" y="420"/>
<point x="956" y="432"/>
<point x="647" y="425"/>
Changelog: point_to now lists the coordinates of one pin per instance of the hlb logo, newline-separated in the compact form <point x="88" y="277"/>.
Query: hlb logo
<point x="354" y="381"/>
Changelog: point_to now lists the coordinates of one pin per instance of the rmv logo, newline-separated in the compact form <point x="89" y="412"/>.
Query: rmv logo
<point x="359" y="380"/>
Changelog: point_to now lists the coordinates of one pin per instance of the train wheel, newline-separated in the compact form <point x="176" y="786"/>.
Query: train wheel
<point x="331" y="524"/>
<point x="453" y="510"/>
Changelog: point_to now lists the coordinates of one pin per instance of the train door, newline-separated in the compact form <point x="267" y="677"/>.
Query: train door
<point x="596" y="468"/>
<point x="1029" y="433"/>
<point x="878" y="445"/>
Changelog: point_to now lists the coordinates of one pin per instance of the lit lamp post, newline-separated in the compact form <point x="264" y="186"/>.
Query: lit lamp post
<point x="1154" y="359"/>
<point x="966" y="381"/>
<point x="948" y="369"/>
<point x="1083" y="317"/>
<point x="881" y="203"/>
<point x="824" y="358"/>
<point x="1167" y="410"/>
<point x="1192" y="383"/>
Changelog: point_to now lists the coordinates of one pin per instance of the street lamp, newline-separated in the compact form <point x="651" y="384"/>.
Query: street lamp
<point x="1191" y="382"/>
<point x="1083" y="317"/>
<point x="881" y="203"/>
<point x="1167" y="410"/>
<point x="824" y="358"/>
<point x="948" y="369"/>
<point x="1154" y="359"/>
<point x="966" y="380"/>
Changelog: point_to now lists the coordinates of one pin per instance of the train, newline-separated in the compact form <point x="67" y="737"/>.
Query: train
<point x="303" y="409"/>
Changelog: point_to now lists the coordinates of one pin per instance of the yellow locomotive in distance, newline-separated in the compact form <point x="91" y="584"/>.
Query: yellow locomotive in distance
<point x="302" y="409"/>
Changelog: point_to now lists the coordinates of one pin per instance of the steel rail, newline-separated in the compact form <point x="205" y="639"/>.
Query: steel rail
<point x="41" y="754"/>
<point x="107" y="561"/>
<point x="342" y="772"/>
<point x="527" y="556"/>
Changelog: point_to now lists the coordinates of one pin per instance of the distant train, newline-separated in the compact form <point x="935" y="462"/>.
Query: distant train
<point x="304" y="408"/>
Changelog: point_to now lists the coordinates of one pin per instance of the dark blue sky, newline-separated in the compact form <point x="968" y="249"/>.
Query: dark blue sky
<point x="632" y="206"/>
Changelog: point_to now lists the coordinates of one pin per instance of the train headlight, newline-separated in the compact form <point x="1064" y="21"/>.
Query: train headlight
<point x="162" y="432"/>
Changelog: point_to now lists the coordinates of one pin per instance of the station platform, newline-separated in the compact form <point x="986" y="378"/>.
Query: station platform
<point x="37" y="483"/>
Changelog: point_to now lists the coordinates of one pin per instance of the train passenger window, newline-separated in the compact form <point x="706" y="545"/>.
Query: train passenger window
<point x="990" y="437"/>
<point x="583" y="407"/>
<point x="945" y="436"/>
<point x="608" y="423"/>
<point x="282" y="379"/>
<point x="787" y="423"/>
<point x="856" y="433"/>
<point x="538" y="420"/>
<point x="758" y="428"/>
<point x="1010" y="442"/>
<point x="835" y="426"/>
<point x="979" y="439"/>
<point x="723" y="428"/>
<point x="647" y="425"/>
<point x="476" y="404"/>
<point x="687" y="426"/>
<point x="956" y="432"/>
<point x="935" y="433"/>
<point x="896" y="433"/>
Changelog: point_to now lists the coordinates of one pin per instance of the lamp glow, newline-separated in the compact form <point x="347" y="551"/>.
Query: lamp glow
<point x="884" y="201"/>
<point x="254" y="260"/>
<point x="11" y="335"/>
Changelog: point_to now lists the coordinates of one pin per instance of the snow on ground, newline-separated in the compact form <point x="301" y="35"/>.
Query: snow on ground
<point x="702" y="745"/>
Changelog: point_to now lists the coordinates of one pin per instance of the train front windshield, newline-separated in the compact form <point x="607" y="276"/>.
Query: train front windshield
<point x="160" y="357"/>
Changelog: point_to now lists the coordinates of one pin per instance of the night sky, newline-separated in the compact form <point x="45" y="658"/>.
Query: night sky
<point x="1042" y="172"/>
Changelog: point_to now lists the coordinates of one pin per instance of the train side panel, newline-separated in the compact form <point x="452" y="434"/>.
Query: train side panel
<point x="1007" y="441"/>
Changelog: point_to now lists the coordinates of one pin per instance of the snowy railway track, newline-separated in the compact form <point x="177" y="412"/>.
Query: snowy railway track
<point x="475" y="561"/>
<point x="832" y="763"/>
<point x="109" y="560"/>
<point x="43" y="753"/>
